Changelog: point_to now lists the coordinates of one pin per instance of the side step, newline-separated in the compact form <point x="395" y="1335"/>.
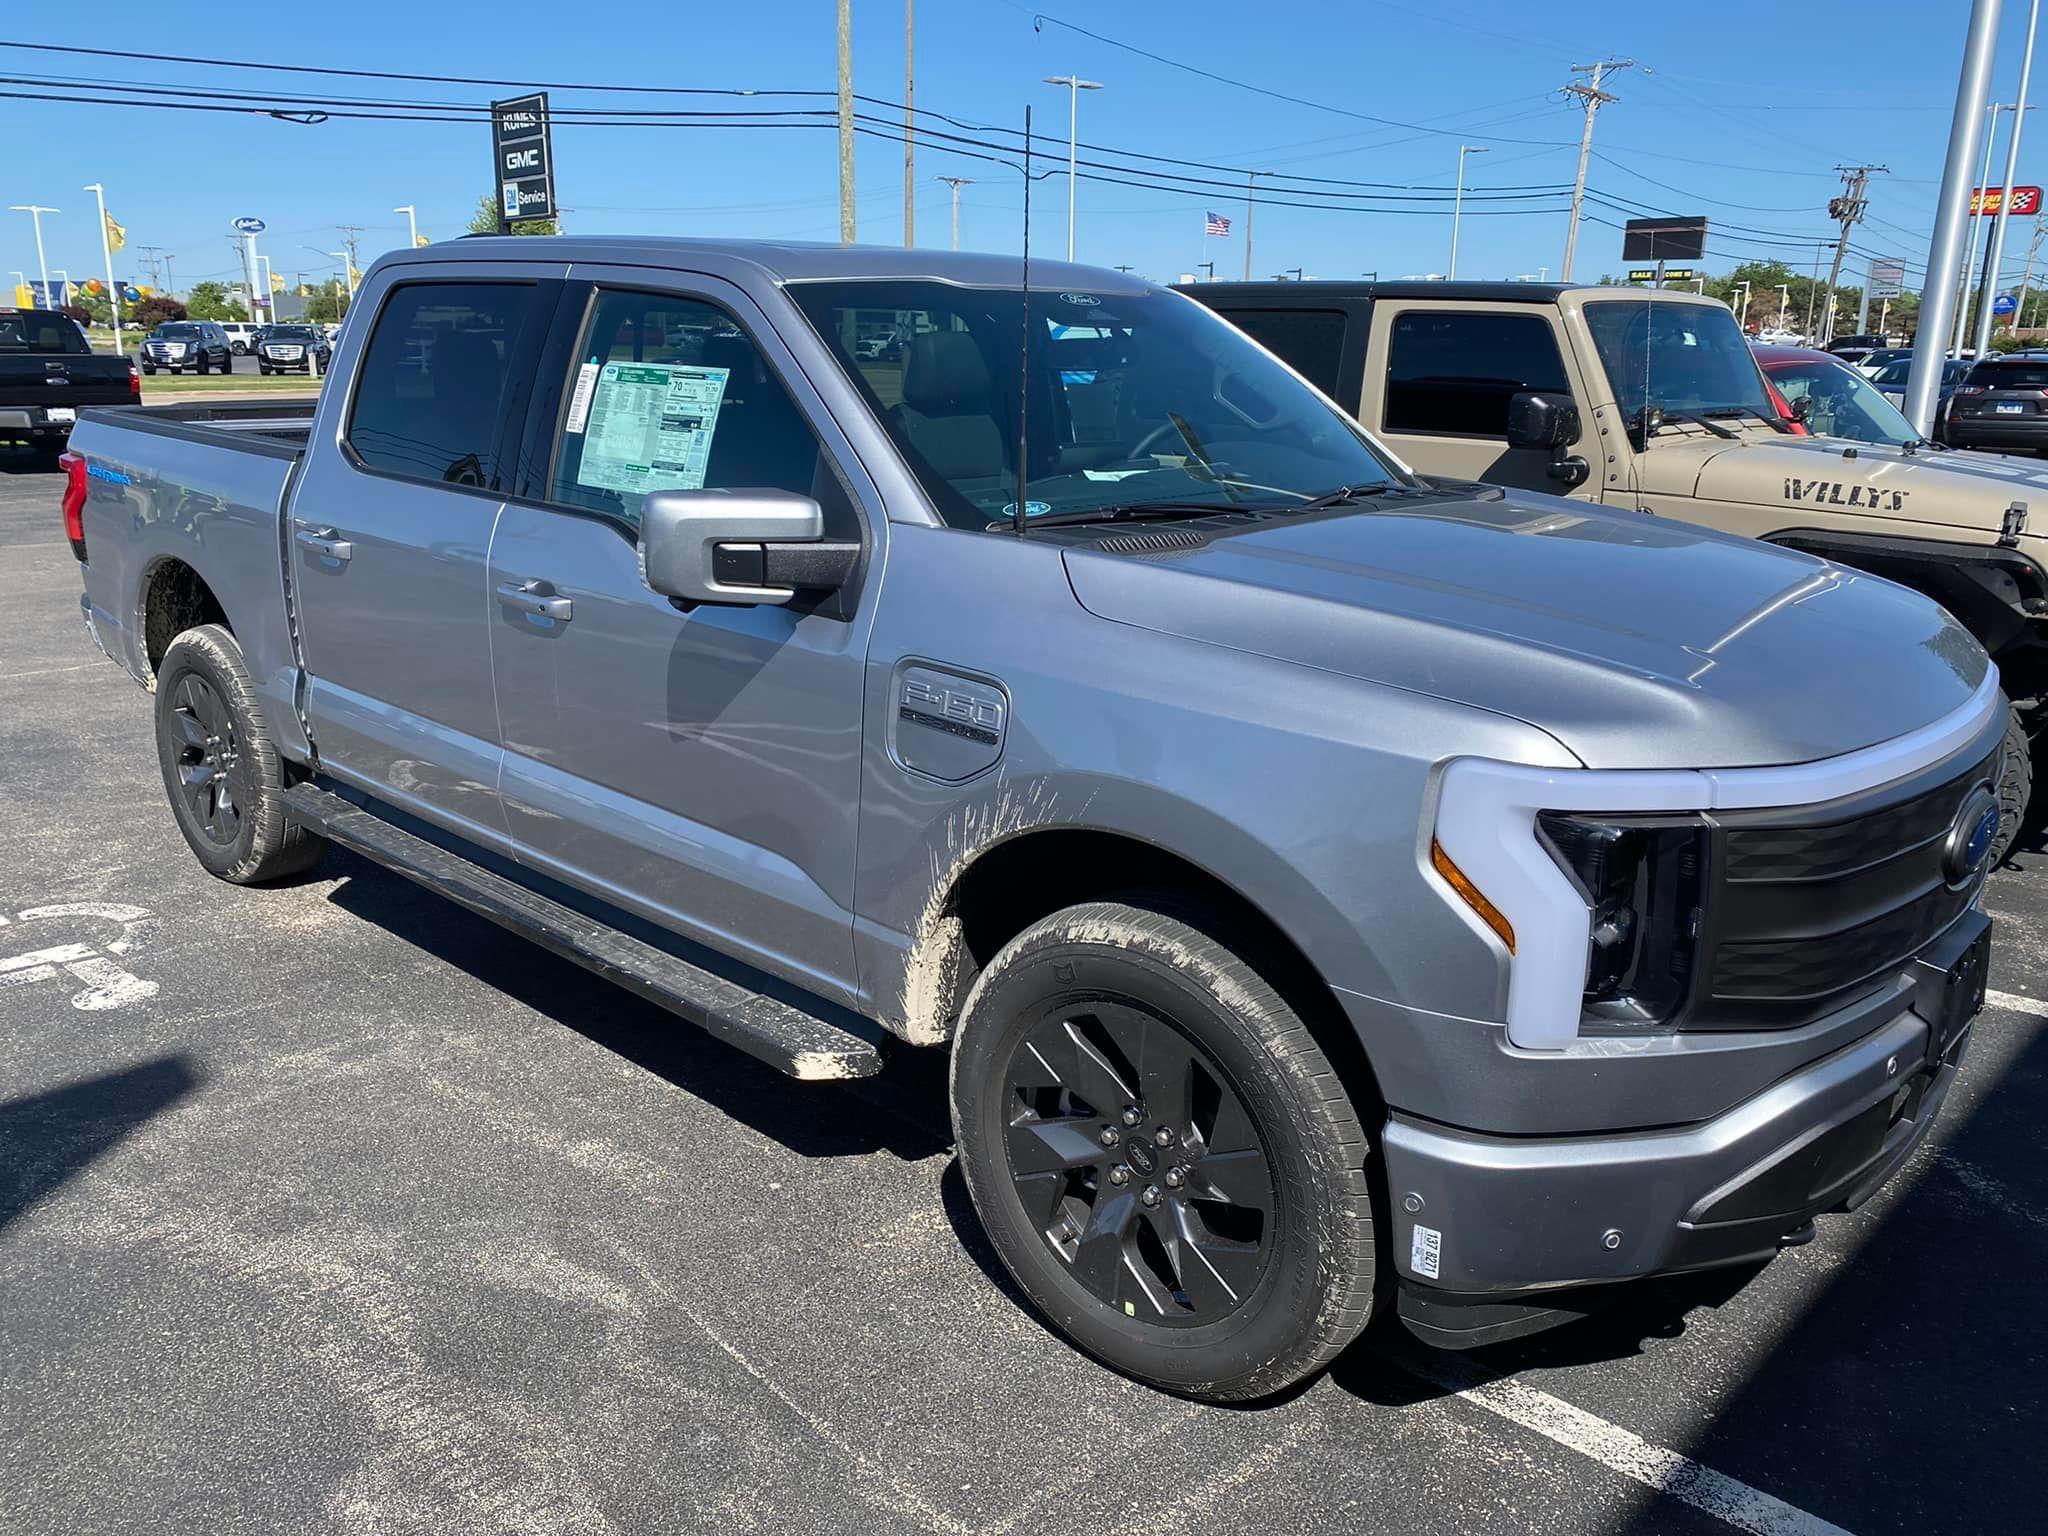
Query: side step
<point x="787" y="1038"/>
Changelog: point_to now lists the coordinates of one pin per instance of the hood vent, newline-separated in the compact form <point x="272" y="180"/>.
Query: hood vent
<point x="1156" y="541"/>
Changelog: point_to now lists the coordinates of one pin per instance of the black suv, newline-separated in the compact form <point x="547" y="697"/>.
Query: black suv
<point x="180" y="344"/>
<point x="2002" y="404"/>
<point x="292" y="349"/>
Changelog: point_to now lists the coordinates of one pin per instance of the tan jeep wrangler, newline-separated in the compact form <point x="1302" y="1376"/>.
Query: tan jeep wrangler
<point x="1652" y="400"/>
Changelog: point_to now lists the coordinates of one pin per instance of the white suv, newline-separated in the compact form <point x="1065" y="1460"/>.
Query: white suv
<point x="241" y="336"/>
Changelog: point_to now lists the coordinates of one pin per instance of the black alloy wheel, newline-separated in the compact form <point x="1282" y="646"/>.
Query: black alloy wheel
<point x="211" y="775"/>
<point x="1138" y="1164"/>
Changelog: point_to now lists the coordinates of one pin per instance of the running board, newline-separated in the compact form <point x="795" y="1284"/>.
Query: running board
<point x="787" y="1038"/>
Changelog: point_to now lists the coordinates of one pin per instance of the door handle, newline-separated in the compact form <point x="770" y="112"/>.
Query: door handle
<point x="325" y="542"/>
<point x="527" y="597"/>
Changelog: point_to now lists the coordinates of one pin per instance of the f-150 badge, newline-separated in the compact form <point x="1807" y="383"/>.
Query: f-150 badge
<point x="1836" y="493"/>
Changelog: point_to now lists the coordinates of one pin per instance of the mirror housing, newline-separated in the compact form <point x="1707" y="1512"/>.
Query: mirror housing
<point x="737" y="547"/>
<point x="1802" y="408"/>
<point x="1537" y="419"/>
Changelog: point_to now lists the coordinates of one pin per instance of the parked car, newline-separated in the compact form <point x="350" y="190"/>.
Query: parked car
<point x="242" y="336"/>
<point x="293" y="349"/>
<point x="48" y="370"/>
<point x="201" y="345"/>
<point x="1306" y="862"/>
<point x="1871" y="364"/>
<point x="1892" y="378"/>
<point x="1662" y="407"/>
<point x="1860" y="345"/>
<point x="1830" y="399"/>
<point x="2002" y="404"/>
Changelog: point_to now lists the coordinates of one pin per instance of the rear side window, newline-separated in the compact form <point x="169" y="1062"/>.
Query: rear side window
<point x="1310" y="341"/>
<point x="430" y="392"/>
<point x="1454" y="373"/>
<point x="2010" y="375"/>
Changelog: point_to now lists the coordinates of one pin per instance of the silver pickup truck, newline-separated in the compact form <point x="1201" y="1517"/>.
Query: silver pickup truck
<point x="1343" y="893"/>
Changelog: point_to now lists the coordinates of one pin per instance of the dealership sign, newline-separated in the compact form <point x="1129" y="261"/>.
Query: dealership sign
<point x="525" y="156"/>
<point x="2026" y="201"/>
<point x="1887" y="277"/>
<point x="250" y="226"/>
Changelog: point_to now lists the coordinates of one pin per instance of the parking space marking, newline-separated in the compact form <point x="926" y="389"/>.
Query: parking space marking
<point x="1726" y="1498"/>
<point x="2012" y="1002"/>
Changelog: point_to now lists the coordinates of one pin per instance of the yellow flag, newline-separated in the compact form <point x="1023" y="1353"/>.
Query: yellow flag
<point x="24" y="297"/>
<point x="276" y="283"/>
<point x="116" y="235"/>
<point x="421" y="240"/>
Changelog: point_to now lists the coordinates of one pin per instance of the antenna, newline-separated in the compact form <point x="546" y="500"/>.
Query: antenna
<point x="1024" y="347"/>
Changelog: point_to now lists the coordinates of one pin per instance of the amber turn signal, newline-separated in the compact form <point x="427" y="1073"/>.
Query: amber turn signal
<point x="1474" y="897"/>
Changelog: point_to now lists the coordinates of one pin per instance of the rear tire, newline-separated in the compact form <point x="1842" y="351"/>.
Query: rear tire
<point x="220" y="767"/>
<point x="1252" y="1265"/>
<point x="204" y="367"/>
<point x="2015" y="788"/>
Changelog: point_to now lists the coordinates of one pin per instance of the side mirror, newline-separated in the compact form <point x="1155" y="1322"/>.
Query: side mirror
<point x="1540" y="420"/>
<point x="1802" y="408"/>
<point x="738" y="547"/>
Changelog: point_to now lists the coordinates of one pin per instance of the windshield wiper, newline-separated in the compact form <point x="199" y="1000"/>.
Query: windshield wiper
<point x="1697" y="420"/>
<point x="1125" y="512"/>
<point x="1723" y="412"/>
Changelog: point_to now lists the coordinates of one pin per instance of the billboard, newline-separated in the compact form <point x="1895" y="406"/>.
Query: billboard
<point x="2026" y="201"/>
<point x="1664" y="239"/>
<point x="1887" y="277"/>
<point x="525" y="158"/>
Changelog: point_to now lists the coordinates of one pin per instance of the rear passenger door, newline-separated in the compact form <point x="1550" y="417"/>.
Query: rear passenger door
<point x="698" y="765"/>
<point x="1439" y="381"/>
<point x="390" y="535"/>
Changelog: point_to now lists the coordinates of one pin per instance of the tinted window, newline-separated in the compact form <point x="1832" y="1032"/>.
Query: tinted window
<point x="39" y="330"/>
<point x="2011" y="375"/>
<point x="430" y="391"/>
<point x="1455" y="373"/>
<point x="1687" y="358"/>
<point x="1131" y="399"/>
<point x="1310" y="341"/>
<point x="669" y="394"/>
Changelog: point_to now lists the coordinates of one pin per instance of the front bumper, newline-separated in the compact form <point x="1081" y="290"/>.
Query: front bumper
<point x="1486" y="1226"/>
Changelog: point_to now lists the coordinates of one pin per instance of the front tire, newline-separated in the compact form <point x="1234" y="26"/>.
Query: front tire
<point x="220" y="767"/>
<point x="1162" y="1155"/>
<point x="2015" y="787"/>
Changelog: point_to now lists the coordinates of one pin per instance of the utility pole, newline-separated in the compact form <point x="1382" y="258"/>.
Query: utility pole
<point x="2019" y="313"/>
<point x="1249" y="178"/>
<point x="149" y="255"/>
<point x="1923" y="382"/>
<point x="1996" y="250"/>
<point x="1813" y="288"/>
<point x="170" y="274"/>
<point x="1593" y="99"/>
<point x="909" y="132"/>
<point x="846" y="122"/>
<point x="1849" y="209"/>
<point x="350" y="236"/>
<point x="956" y="183"/>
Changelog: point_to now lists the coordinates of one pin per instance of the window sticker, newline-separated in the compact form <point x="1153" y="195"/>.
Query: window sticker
<point x="650" y="427"/>
<point x="579" y="402"/>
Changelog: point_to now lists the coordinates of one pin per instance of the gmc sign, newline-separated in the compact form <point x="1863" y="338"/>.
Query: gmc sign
<point x="525" y="156"/>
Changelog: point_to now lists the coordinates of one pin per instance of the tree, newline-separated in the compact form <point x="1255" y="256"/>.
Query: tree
<point x="210" y="301"/>
<point x="75" y="312"/>
<point x="485" y="221"/>
<point x="153" y="312"/>
<point x="326" y="307"/>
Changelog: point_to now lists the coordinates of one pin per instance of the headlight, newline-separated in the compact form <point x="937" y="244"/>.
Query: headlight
<point x="1643" y="879"/>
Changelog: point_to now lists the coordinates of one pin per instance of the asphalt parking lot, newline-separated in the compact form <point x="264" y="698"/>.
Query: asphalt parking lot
<point x="332" y="1208"/>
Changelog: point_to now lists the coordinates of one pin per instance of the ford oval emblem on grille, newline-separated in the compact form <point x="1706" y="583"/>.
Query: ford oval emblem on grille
<point x="1970" y="837"/>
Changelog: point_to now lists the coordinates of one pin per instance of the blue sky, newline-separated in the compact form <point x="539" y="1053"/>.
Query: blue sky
<point x="1725" y="113"/>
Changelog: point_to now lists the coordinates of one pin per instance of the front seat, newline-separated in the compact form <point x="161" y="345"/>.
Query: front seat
<point x="948" y="408"/>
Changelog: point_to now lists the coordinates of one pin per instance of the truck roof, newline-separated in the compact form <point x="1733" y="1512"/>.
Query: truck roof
<point x="781" y="260"/>
<point x="1329" y="291"/>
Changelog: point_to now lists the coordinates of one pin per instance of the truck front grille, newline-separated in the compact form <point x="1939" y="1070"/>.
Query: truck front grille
<point x="1812" y="908"/>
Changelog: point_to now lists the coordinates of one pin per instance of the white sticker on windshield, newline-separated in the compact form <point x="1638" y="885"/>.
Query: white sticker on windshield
<point x="579" y="402"/>
<point x="651" y="426"/>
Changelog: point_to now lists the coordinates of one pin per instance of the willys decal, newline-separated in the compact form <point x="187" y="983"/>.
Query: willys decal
<point x="1836" y="493"/>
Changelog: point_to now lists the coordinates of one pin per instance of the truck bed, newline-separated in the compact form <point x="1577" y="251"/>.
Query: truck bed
<point x="187" y="498"/>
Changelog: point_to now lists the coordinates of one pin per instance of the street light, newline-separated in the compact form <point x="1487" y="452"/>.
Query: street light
<point x="1075" y="86"/>
<point x="36" y="212"/>
<point x="412" y="224"/>
<point x="1458" y="203"/>
<point x="63" y="281"/>
<point x="348" y="271"/>
<point x="1784" y="304"/>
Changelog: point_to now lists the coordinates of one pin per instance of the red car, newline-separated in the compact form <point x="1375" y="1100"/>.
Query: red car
<point x="1837" y="400"/>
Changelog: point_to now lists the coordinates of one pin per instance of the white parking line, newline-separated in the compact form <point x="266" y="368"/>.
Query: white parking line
<point x="1727" y="1499"/>
<point x="2012" y="1002"/>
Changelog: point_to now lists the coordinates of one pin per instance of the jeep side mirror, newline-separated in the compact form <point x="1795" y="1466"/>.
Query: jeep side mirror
<point x="739" y="547"/>
<point x="1537" y="419"/>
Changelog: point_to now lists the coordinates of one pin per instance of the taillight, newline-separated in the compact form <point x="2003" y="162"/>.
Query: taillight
<point x="1971" y="389"/>
<point x="134" y="381"/>
<point x="73" y="465"/>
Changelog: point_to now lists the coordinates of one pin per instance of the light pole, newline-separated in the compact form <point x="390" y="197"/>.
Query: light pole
<point x="1075" y="86"/>
<point x="36" y="212"/>
<point x="1784" y="304"/>
<point x="269" y="288"/>
<point x="1742" y="315"/>
<point x="99" y="194"/>
<point x="348" y="270"/>
<point x="63" y="281"/>
<point x="956" y="183"/>
<point x="412" y="225"/>
<point x="1458" y="203"/>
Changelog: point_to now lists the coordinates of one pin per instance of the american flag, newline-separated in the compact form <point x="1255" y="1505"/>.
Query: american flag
<point x="1215" y="224"/>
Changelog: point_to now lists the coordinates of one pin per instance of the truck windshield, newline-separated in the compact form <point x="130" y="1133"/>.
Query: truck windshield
<point x="1134" y="401"/>
<point x="1842" y="403"/>
<point x="1683" y="359"/>
<point x="40" y="330"/>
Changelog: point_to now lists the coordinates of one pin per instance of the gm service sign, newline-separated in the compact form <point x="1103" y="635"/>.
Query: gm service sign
<point x="525" y="156"/>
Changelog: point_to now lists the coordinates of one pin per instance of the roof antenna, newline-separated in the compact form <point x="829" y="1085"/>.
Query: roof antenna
<point x="1024" y="347"/>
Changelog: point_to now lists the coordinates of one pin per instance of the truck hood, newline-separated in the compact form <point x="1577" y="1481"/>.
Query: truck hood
<point x="1804" y="477"/>
<point x="1636" y="642"/>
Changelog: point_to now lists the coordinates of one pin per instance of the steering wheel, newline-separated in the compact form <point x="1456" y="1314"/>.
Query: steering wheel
<point x="1144" y="447"/>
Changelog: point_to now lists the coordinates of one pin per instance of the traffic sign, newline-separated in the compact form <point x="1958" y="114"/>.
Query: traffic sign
<point x="525" y="158"/>
<point x="2026" y="201"/>
<point x="249" y="226"/>
<point x="2004" y="304"/>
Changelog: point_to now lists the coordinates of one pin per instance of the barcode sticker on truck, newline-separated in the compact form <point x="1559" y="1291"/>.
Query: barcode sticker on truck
<point x="579" y="402"/>
<point x="1426" y="1252"/>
